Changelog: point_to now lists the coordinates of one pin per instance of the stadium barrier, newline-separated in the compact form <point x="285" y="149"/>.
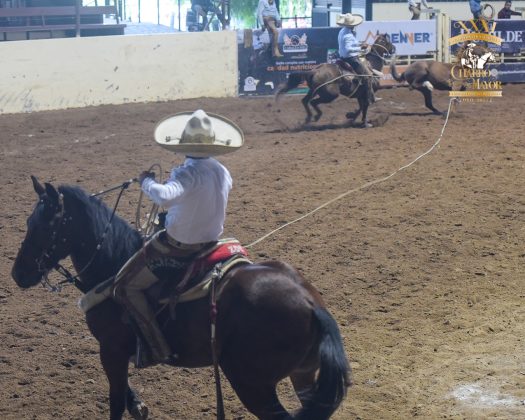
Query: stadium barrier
<point x="126" y="69"/>
<point x="64" y="73"/>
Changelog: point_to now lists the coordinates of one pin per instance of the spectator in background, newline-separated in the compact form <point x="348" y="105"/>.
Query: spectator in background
<point x="269" y="18"/>
<point x="506" y="13"/>
<point x="475" y="8"/>
<point x="203" y="7"/>
<point x="415" y="8"/>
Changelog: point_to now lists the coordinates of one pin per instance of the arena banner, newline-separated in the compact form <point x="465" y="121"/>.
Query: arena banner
<point x="511" y="72"/>
<point x="410" y="37"/>
<point x="302" y="49"/>
<point x="305" y="48"/>
<point x="511" y="32"/>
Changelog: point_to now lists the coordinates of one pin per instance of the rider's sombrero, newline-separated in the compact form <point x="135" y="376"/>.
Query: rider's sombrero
<point x="198" y="134"/>
<point x="348" y="19"/>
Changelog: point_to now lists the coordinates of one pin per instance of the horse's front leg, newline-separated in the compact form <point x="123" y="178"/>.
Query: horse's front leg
<point x="115" y="364"/>
<point x="136" y="408"/>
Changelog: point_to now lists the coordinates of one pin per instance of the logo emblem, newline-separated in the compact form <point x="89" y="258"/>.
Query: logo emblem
<point x="250" y="84"/>
<point x="295" y="44"/>
<point x="472" y="69"/>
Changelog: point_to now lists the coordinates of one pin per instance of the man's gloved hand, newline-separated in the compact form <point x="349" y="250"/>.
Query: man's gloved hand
<point x="144" y="175"/>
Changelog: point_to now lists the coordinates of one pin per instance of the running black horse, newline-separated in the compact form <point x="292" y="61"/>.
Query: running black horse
<point x="327" y="81"/>
<point x="271" y="323"/>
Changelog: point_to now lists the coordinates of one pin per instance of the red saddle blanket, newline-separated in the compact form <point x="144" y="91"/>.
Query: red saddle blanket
<point x="223" y="251"/>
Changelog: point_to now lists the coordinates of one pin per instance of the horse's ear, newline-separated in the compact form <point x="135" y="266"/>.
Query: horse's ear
<point x="39" y="189"/>
<point x="52" y="193"/>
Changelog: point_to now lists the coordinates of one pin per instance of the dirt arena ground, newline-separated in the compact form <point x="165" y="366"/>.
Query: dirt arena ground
<point x="424" y="272"/>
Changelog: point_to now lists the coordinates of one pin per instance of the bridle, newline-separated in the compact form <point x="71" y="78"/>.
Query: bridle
<point x="61" y="219"/>
<point x="374" y="52"/>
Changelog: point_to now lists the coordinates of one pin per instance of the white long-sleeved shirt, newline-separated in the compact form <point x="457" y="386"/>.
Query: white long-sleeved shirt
<point x="266" y="9"/>
<point x="195" y="196"/>
<point x="348" y="44"/>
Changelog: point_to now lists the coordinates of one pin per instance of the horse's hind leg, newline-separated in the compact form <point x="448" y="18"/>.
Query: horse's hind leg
<point x="315" y="105"/>
<point x="262" y="401"/>
<point x="259" y="397"/>
<point x="363" y="105"/>
<point x="323" y="98"/>
<point x="306" y="100"/>
<point x="303" y="381"/>
<point x="428" y="100"/>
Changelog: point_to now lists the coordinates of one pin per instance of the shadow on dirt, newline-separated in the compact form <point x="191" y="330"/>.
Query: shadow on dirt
<point x="378" y="121"/>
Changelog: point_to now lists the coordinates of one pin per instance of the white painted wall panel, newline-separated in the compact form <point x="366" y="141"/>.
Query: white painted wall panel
<point x="76" y="72"/>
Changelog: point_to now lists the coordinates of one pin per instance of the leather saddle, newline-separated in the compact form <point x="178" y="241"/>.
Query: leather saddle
<point x="195" y="279"/>
<point x="345" y="66"/>
<point x="195" y="282"/>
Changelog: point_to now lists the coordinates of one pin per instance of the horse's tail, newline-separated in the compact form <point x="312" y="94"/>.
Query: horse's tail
<point x="294" y="80"/>
<point x="334" y="372"/>
<point x="393" y="71"/>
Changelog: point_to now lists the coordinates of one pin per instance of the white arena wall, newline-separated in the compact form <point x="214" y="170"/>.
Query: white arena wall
<point x="52" y="74"/>
<point x="455" y="10"/>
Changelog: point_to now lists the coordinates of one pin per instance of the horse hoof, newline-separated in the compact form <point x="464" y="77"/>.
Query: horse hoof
<point x="139" y="412"/>
<point x="316" y="118"/>
<point x="367" y="125"/>
<point x="350" y="115"/>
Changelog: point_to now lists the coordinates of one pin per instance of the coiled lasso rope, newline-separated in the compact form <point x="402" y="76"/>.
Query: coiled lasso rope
<point x="366" y="185"/>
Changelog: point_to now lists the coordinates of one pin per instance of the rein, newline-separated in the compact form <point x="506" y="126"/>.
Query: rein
<point x="373" y="52"/>
<point x="59" y="268"/>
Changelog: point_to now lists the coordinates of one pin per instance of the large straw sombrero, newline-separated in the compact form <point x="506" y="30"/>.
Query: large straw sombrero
<point x="198" y="134"/>
<point x="348" y="19"/>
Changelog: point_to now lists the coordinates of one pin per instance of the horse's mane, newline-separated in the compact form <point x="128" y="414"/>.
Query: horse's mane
<point x="121" y="240"/>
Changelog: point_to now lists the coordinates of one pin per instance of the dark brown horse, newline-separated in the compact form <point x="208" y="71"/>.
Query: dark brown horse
<point x="327" y="81"/>
<point x="271" y="323"/>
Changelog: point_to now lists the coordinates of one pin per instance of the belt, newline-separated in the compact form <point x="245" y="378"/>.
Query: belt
<point x="180" y="245"/>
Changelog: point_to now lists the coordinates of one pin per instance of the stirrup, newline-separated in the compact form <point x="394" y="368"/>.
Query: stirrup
<point x="143" y="355"/>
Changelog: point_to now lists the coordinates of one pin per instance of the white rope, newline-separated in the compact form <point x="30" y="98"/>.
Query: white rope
<point x="366" y="185"/>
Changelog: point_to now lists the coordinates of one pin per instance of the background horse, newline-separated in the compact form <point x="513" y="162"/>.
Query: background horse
<point x="326" y="82"/>
<point x="271" y="323"/>
<point x="426" y="76"/>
